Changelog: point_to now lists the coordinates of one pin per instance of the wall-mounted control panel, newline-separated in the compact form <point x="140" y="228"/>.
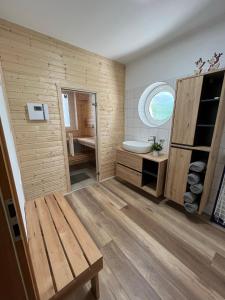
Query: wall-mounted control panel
<point x="37" y="111"/>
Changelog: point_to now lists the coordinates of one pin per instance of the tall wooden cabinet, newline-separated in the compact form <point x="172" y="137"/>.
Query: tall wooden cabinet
<point x="179" y="161"/>
<point x="198" y="123"/>
<point x="186" y="112"/>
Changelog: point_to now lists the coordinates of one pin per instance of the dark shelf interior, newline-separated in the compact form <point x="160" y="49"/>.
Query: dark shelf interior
<point x="203" y="136"/>
<point x="150" y="166"/>
<point x="199" y="155"/>
<point x="149" y="180"/>
<point x="149" y="173"/>
<point x="207" y="112"/>
<point x="212" y="85"/>
<point x="152" y="184"/>
<point x="208" y="108"/>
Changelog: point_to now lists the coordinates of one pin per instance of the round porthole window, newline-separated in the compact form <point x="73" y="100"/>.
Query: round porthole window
<point x="156" y="104"/>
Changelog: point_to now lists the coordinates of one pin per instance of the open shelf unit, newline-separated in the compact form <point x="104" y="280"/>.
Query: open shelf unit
<point x="196" y="156"/>
<point x="198" y="123"/>
<point x="150" y="173"/>
<point x="208" y="108"/>
<point x="142" y="170"/>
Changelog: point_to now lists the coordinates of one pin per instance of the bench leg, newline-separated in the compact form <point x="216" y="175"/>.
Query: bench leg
<point x="95" y="286"/>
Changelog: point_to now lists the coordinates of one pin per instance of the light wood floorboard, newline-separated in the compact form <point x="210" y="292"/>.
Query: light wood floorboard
<point x="151" y="249"/>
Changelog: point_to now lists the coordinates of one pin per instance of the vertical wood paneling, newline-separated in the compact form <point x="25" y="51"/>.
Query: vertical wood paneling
<point x="33" y="64"/>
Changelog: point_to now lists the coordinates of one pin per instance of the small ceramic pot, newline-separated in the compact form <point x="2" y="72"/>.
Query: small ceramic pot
<point x="155" y="153"/>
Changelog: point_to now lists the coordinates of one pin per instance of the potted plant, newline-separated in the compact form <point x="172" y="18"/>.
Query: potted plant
<point x="157" y="147"/>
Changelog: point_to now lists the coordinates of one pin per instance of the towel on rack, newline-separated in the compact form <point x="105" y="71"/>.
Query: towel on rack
<point x="193" y="178"/>
<point x="197" y="166"/>
<point x="189" y="197"/>
<point x="191" y="207"/>
<point x="196" y="188"/>
<point x="71" y="144"/>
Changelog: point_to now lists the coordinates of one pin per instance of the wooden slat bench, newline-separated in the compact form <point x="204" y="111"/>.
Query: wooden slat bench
<point x="63" y="254"/>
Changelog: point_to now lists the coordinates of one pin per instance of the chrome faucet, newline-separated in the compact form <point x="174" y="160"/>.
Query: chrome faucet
<point x="153" y="139"/>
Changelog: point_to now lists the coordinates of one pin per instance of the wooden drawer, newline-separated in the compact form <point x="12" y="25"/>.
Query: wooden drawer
<point x="130" y="160"/>
<point x="129" y="175"/>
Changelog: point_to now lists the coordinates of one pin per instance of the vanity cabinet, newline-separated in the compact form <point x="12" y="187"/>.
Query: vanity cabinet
<point x="198" y="123"/>
<point x="142" y="170"/>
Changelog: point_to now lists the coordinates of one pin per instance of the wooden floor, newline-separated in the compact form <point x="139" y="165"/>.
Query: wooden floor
<point x="151" y="250"/>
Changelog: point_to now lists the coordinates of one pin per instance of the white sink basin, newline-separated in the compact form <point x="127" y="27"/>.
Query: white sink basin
<point x="137" y="147"/>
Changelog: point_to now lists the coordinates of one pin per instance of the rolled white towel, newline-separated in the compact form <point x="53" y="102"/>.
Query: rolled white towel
<point x="196" y="188"/>
<point x="197" y="166"/>
<point x="191" y="207"/>
<point x="189" y="197"/>
<point x="193" y="178"/>
<point x="71" y="144"/>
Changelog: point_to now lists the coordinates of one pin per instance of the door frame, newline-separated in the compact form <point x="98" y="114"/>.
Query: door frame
<point x="63" y="129"/>
<point x="24" y="255"/>
<point x="10" y="255"/>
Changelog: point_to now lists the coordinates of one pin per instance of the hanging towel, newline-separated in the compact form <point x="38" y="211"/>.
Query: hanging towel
<point x="189" y="197"/>
<point x="193" y="178"/>
<point x="197" y="166"/>
<point x="191" y="207"/>
<point x="71" y="144"/>
<point x="196" y="188"/>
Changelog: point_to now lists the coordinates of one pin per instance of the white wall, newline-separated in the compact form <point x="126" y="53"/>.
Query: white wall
<point x="175" y="60"/>
<point x="12" y="153"/>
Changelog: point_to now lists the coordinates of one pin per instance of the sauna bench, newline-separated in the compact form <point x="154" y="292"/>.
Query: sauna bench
<point x="63" y="254"/>
<point x="87" y="141"/>
<point x="145" y="171"/>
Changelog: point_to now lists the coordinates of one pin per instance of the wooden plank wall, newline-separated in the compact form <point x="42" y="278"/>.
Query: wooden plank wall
<point x="33" y="64"/>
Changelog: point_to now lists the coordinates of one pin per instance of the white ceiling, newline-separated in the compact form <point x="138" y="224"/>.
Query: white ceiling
<point x="117" y="29"/>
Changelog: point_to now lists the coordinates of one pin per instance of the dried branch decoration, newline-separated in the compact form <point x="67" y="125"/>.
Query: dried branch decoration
<point x="214" y="62"/>
<point x="199" y="66"/>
